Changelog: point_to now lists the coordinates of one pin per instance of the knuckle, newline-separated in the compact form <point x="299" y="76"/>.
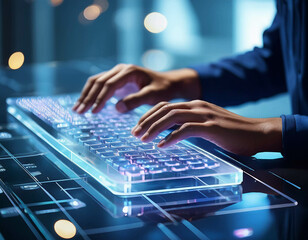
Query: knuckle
<point x="167" y="107"/>
<point x="87" y="100"/>
<point x="120" y="66"/>
<point x="186" y="127"/>
<point x="198" y="102"/>
<point x="91" y="79"/>
<point x="108" y="84"/>
<point x="130" y="67"/>
<point x="98" y="100"/>
<point x="98" y="82"/>
<point x="174" y="112"/>
<point x="211" y="124"/>
<point x="154" y="127"/>
<point x="163" y="103"/>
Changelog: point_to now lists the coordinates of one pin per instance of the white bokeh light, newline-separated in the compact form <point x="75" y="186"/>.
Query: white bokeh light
<point x="155" y="22"/>
<point x="157" y="60"/>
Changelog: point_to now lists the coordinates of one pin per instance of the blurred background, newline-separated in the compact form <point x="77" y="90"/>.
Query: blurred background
<point x="158" y="34"/>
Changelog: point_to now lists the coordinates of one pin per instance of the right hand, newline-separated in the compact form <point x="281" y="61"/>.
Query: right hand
<point x="153" y="87"/>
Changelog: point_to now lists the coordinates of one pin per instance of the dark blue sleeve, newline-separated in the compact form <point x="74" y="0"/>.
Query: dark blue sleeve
<point x="247" y="77"/>
<point x="294" y="136"/>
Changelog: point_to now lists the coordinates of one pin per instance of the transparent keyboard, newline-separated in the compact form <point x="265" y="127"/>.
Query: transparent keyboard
<point x="103" y="146"/>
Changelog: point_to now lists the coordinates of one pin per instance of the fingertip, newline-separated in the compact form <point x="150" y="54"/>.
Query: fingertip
<point x="144" y="137"/>
<point x="75" y="106"/>
<point x="133" y="129"/>
<point x="161" y="143"/>
<point x="136" y="131"/>
<point x="81" y="108"/>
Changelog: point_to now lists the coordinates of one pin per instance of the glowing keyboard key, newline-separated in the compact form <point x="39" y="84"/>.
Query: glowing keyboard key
<point x="211" y="164"/>
<point x="198" y="166"/>
<point x="171" y="163"/>
<point x="149" y="165"/>
<point x="194" y="161"/>
<point x="180" y="168"/>
<point x="157" y="170"/>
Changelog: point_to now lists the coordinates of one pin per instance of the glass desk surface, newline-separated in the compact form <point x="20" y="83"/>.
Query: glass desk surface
<point x="40" y="192"/>
<point x="43" y="193"/>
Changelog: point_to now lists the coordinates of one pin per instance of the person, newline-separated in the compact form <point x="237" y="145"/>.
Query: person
<point x="279" y="66"/>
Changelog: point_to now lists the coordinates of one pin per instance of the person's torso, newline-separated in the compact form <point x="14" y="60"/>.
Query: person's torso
<point x="294" y="27"/>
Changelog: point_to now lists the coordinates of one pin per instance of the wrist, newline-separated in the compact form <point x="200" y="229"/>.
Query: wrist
<point x="271" y="140"/>
<point x="186" y="82"/>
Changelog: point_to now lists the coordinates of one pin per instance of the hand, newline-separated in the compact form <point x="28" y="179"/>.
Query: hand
<point x="153" y="87"/>
<point x="237" y="134"/>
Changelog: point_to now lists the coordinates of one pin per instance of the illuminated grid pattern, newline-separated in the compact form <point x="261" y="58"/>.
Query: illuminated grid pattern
<point x="37" y="190"/>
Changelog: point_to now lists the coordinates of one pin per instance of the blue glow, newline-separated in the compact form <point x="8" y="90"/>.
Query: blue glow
<point x="268" y="155"/>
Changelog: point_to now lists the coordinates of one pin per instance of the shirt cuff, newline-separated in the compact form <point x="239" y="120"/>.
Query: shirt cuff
<point x="294" y="137"/>
<point x="202" y="71"/>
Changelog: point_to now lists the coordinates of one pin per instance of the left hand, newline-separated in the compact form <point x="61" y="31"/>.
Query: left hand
<point x="234" y="133"/>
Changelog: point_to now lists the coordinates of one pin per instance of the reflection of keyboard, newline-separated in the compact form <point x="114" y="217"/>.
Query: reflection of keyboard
<point x="102" y="145"/>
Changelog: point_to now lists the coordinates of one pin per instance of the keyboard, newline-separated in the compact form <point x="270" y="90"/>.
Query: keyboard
<point x="102" y="145"/>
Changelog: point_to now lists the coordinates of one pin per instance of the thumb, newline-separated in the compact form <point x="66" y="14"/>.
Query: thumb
<point x="134" y="100"/>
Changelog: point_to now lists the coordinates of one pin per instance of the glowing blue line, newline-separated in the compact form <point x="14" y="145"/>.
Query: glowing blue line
<point x="167" y="232"/>
<point x="294" y="185"/>
<point x="234" y="160"/>
<point x="195" y="230"/>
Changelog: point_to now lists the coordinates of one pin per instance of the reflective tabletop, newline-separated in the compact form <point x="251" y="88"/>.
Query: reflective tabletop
<point x="44" y="196"/>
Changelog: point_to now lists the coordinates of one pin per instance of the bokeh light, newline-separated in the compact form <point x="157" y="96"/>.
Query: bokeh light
<point x="16" y="60"/>
<point x="125" y="209"/>
<point x="56" y="2"/>
<point x="157" y="60"/>
<point x="92" y="12"/>
<point x="243" y="232"/>
<point x="65" y="229"/>
<point x="155" y="22"/>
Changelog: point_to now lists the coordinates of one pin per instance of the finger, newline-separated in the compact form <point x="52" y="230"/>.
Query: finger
<point x="88" y="98"/>
<point x="151" y="111"/>
<point x="110" y="86"/>
<point x="84" y="91"/>
<point x="187" y="130"/>
<point x="136" y="129"/>
<point x="174" y="117"/>
<point x="134" y="100"/>
<point x="87" y="87"/>
<point x="159" y="113"/>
